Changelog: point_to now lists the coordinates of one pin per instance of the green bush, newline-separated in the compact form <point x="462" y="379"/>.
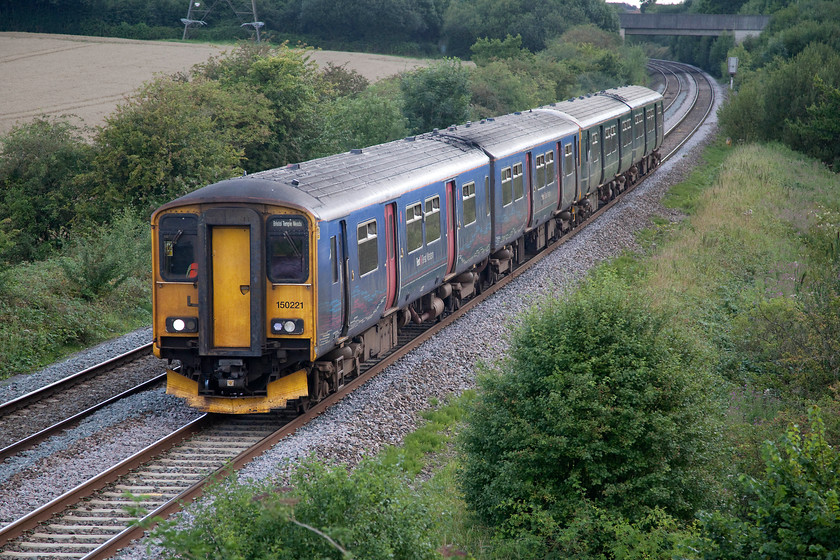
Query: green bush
<point x="99" y="261"/>
<point x="600" y="403"/>
<point x="369" y="513"/>
<point x="793" y="512"/>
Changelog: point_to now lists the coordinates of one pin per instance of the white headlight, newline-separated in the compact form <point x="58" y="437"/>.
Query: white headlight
<point x="289" y="326"/>
<point x="178" y="325"/>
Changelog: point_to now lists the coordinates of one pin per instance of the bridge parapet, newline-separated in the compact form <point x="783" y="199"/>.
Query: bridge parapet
<point x="741" y="26"/>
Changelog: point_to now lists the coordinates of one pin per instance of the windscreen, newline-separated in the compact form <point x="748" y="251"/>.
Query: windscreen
<point x="287" y="249"/>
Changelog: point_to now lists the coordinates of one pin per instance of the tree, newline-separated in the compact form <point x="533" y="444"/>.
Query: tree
<point x="436" y="96"/>
<point x="290" y="81"/>
<point x="536" y="22"/>
<point x="602" y="405"/>
<point x="39" y="163"/>
<point x="817" y="133"/>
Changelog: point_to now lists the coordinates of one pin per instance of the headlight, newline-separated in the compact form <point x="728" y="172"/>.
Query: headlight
<point x="287" y="326"/>
<point x="181" y="324"/>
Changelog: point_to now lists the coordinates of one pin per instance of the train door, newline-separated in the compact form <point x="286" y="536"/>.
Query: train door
<point x="451" y="227"/>
<point x="584" y="164"/>
<point x="595" y="158"/>
<point x="529" y="191"/>
<point x="391" y="253"/>
<point x="232" y="294"/>
<point x="569" y="175"/>
<point x="344" y="274"/>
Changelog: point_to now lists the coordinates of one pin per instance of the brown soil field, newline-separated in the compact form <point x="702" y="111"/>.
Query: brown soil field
<point x="87" y="77"/>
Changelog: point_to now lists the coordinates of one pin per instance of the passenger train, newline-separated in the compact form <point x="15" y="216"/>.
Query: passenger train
<point x="270" y="289"/>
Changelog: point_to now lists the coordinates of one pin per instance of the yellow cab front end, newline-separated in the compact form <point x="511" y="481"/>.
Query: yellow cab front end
<point x="234" y="304"/>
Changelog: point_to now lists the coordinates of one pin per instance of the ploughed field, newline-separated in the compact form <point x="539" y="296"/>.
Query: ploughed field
<point x="52" y="75"/>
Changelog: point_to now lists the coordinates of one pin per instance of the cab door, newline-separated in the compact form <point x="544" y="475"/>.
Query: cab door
<point x="231" y="296"/>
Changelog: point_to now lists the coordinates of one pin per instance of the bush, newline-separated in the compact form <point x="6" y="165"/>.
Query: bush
<point x="99" y="261"/>
<point x="600" y="403"/>
<point x="792" y="513"/>
<point x="371" y="513"/>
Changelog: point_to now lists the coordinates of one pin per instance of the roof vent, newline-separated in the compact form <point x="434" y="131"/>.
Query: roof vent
<point x="295" y="182"/>
<point x="356" y="151"/>
<point x="435" y="132"/>
<point x="518" y="113"/>
<point x="452" y="128"/>
<point x="410" y="138"/>
<point x="491" y="119"/>
<point x="293" y="166"/>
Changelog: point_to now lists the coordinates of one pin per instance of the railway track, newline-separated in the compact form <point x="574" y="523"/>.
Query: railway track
<point x="168" y="473"/>
<point x="35" y="416"/>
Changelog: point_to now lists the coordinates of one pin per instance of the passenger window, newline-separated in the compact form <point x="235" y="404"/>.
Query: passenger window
<point x="368" y="247"/>
<point x="540" y="172"/>
<point x="432" y="218"/>
<point x="287" y="254"/>
<point x="179" y="239"/>
<point x="487" y="193"/>
<point x="468" y="192"/>
<point x="569" y="162"/>
<point x="414" y="226"/>
<point x="507" y="189"/>
<point x="518" y="191"/>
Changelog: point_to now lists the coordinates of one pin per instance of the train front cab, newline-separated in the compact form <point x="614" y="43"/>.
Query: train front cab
<point x="234" y="304"/>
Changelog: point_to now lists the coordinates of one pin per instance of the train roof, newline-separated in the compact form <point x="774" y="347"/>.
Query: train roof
<point x="336" y="185"/>
<point x="634" y="96"/>
<point x="608" y="104"/>
<point x="515" y="133"/>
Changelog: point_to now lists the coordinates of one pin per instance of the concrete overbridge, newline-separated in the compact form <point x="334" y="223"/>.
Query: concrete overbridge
<point x="741" y="26"/>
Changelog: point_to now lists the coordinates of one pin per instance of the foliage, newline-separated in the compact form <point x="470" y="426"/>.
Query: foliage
<point x="171" y="138"/>
<point x="370" y="513"/>
<point x="437" y="96"/>
<point x="360" y="121"/>
<point x="516" y="84"/>
<point x="102" y="259"/>
<point x="773" y="103"/>
<point x="39" y="164"/>
<point x="465" y="21"/>
<point x="343" y="81"/>
<point x="601" y="402"/>
<point x="290" y="82"/>
<point x="792" y="512"/>
<point x="817" y="132"/>
<point x="44" y="314"/>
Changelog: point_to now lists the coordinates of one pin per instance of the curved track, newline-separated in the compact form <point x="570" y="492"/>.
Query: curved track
<point x="176" y="469"/>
